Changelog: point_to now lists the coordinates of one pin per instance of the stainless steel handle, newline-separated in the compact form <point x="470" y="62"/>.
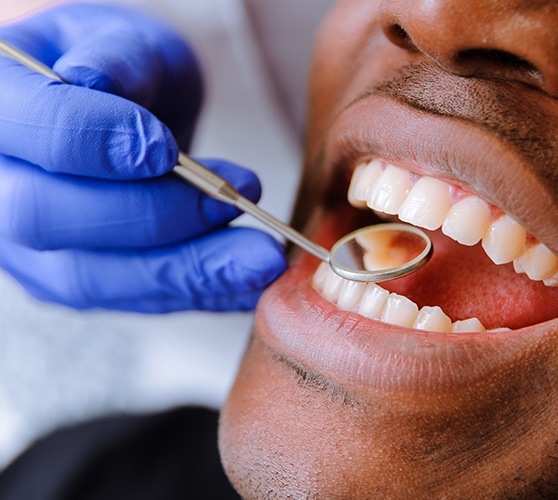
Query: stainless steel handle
<point x="218" y="188"/>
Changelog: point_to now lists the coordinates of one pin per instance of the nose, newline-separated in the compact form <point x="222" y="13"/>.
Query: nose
<point x="512" y="39"/>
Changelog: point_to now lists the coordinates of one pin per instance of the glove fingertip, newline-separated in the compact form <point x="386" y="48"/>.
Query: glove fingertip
<point x="145" y="148"/>
<point x="87" y="76"/>
<point x="257" y="262"/>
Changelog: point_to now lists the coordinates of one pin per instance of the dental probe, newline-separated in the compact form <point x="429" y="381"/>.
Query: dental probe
<point x="372" y="254"/>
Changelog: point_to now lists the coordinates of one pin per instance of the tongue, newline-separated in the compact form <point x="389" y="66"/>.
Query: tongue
<point x="465" y="283"/>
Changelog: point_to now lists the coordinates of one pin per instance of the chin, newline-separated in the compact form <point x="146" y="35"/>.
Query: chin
<point x="441" y="384"/>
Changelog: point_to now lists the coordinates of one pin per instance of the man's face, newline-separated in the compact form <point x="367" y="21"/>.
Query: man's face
<point x="444" y="113"/>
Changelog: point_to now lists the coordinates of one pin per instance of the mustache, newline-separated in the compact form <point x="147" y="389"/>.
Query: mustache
<point x="522" y="116"/>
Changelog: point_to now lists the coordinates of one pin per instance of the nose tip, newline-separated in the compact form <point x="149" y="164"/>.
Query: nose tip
<point x="515" y="40"/>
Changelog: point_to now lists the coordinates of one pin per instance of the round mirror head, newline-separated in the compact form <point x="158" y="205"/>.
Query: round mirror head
<point x="381" y="253"/>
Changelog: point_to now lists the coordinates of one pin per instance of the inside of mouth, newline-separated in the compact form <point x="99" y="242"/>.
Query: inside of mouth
<point x="459" y="279"/>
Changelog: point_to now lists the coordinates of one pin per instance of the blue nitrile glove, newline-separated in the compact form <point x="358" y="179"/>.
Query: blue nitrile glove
<point x="89" y="216"/>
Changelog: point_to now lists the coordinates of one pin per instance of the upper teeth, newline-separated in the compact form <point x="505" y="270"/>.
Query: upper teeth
<point x="430" y="203"/>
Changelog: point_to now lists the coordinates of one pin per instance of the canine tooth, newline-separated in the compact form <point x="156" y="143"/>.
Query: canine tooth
<point x="552" y="281"/>
<point x="400" y="311"/>
<point x="320" y="276"/>
<point x="390" y="190"/>
<point x="432" y="319"/>
<point x="427" y="205"/>
<point x="373" y="301"/>
<point x="504" y="241"/>
<point x="332" y="286"/>
<point x="467" y="326"/>
<point x="350" y="294"/>
<point x="538" y="262"/>
<point x="467" y="221"/>
<point x="363" y="178"/>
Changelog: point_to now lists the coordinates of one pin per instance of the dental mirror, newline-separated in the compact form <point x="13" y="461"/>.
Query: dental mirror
<point x="375" y="253"/>
<point x="380" y="253"/>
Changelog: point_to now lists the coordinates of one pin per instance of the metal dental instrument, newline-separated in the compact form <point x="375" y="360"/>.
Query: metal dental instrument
<point x="372" y="254"/>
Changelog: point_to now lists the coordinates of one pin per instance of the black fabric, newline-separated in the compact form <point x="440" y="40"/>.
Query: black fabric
<point x="168" y="456"/>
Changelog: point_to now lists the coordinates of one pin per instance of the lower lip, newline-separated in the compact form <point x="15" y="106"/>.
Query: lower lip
<point x="358" y="353"/>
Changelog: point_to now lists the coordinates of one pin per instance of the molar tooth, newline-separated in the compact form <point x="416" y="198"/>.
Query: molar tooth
<point x="373" y="301"/>
<point x="389" y="191"/>
<point x="350" y="294"/>
<point x="400" y="311"/>
<point x="363" y="179"/>
<point x="332" y="286"/>
<point x="467" y="221"/>
<point x="468" y="326"/>
<point x="504" y="241"/>
<point x="319" y="276"/>
<point x="538" y="262"/>
<point x="427" y="205"/>
<point x="432" y="319"/>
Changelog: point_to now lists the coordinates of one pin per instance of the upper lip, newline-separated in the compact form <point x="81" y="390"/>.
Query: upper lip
<point x="459" y="149"/>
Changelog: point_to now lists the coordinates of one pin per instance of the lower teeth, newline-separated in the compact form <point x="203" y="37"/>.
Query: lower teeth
<point x="372" y="301"/>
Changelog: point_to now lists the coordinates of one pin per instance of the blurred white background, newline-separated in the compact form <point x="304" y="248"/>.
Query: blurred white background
<point x="59" y="366"/>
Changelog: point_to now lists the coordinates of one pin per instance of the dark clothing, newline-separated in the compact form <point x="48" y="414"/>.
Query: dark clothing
<point x="167" y="456"/>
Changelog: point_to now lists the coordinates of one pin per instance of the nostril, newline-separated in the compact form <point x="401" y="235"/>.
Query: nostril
<point x="397" y="35"/>
<point x="499" y="63"/>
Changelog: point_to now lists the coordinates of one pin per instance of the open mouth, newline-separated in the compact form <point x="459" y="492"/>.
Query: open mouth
<point x="460" y="219"/>
<point x="489" y="272"/>
<point x="460" y="317"/>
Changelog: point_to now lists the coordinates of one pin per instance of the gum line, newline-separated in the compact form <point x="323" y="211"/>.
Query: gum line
<point x="431" y="203"/>
<point x="372" y="301"/>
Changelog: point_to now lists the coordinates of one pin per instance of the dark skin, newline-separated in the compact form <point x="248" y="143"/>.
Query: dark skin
<point x="467" y="90"/>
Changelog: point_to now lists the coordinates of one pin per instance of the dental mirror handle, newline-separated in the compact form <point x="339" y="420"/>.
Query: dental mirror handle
<point x="196" y="174"/>
<point x="8" y="50"/>
<point x="217" y="187"/>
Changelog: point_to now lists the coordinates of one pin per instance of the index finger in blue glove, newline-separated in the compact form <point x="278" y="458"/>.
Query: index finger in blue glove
<point x="223" y="271"/>
<point x="51" y="211"/>
<point x="119" y="51"/>
<point x="79" y="131"/>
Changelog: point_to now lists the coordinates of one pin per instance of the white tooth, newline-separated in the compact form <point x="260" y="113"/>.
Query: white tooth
<point x="552" y="281"/>
<point x="332" y="286"/>
<point x="467" y="221"/>
<point x="427" y="205"/>
<point x="499" y="330"/>
<point x="320" y="276"/>
<point x="363" y="179"/>
<point x="517" y="266"/>
<point x="538" y="262"/>
<point x="432" y="319"/>
<point x="468" y="326"/>
<point x="389" y="190"/>
<point x="400" y="311"/>
<point x="373" y="301"/>
<point x="350" y="294"/>
<point x="504" y="240"/>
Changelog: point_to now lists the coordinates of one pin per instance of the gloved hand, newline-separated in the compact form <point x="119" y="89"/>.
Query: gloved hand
<point x="89" y="215"/>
